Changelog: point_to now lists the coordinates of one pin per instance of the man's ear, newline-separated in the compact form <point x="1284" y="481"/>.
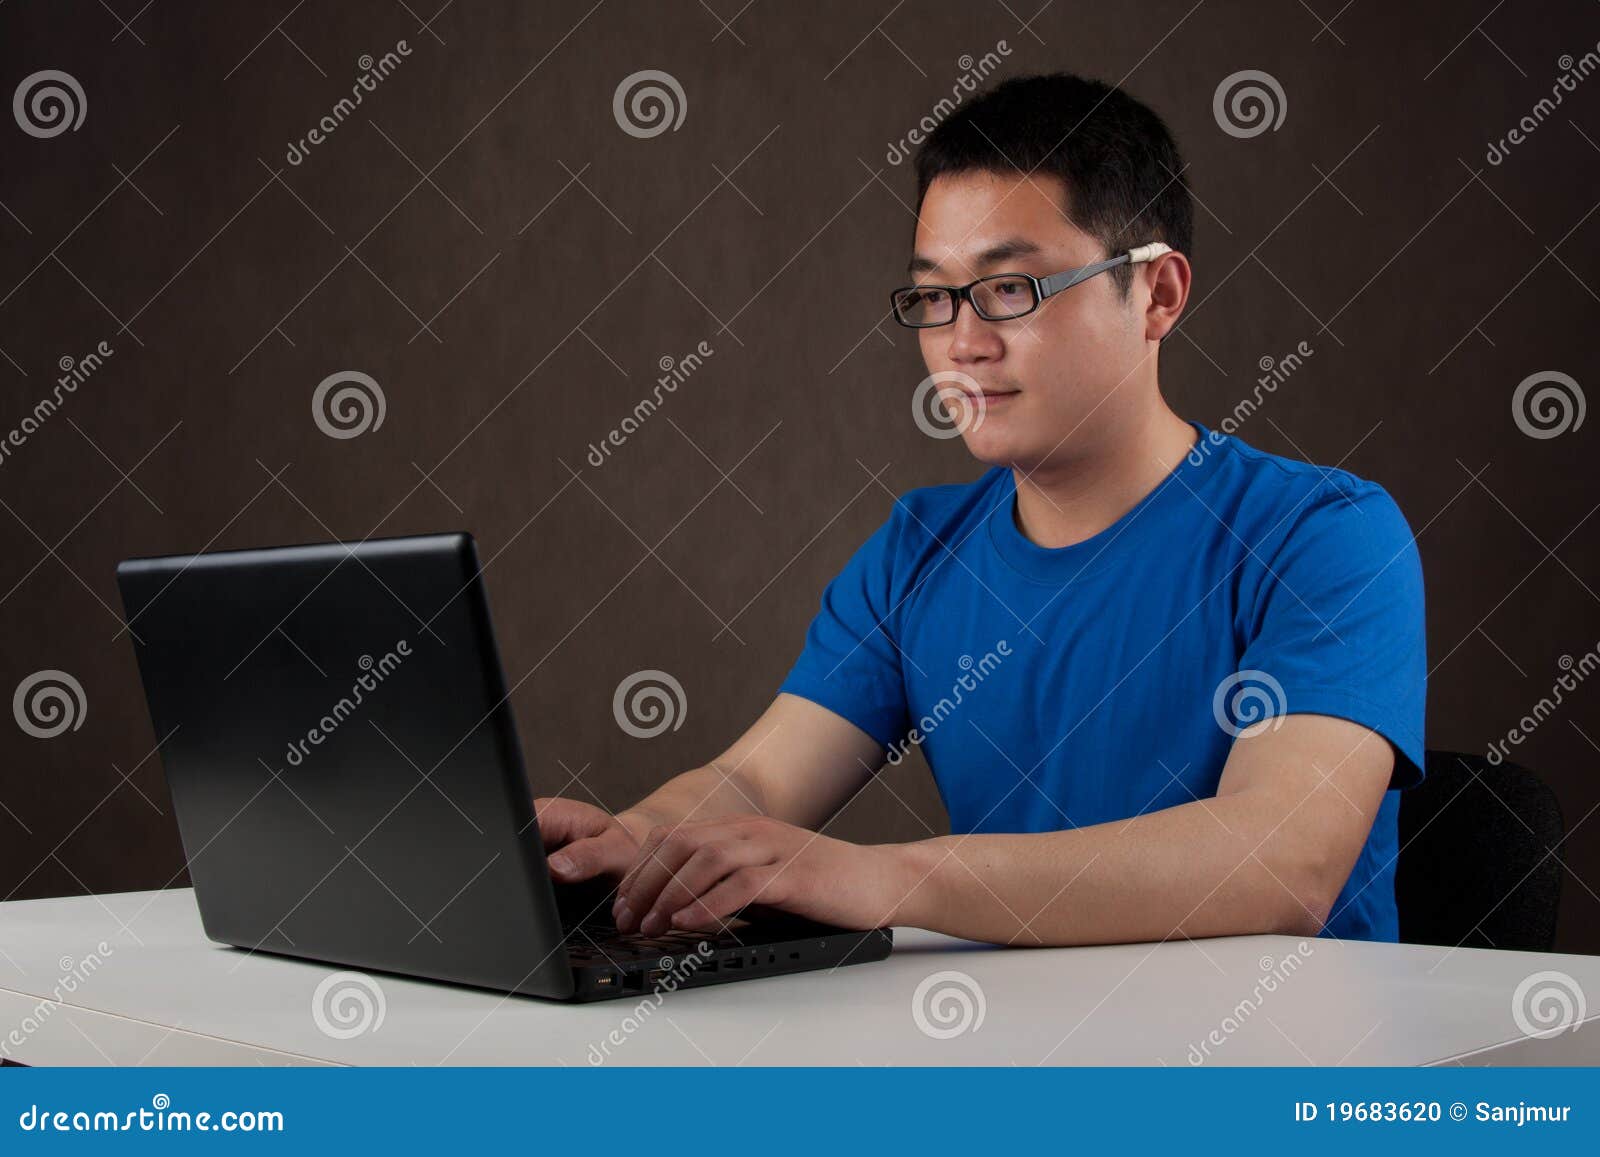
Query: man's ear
<point x="1168" y="277"/>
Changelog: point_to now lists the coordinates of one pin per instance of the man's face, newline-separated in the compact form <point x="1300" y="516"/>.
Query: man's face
<point x="1055" y="381"/>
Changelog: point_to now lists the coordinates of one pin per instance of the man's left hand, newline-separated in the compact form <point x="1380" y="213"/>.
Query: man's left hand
<point x="696" y="875"/>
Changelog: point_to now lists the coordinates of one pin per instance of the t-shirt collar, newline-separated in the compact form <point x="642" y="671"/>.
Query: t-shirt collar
<point x="1146" y="525"/>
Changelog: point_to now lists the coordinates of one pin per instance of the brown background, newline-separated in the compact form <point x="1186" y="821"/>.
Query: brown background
<point x="230" y="283"/>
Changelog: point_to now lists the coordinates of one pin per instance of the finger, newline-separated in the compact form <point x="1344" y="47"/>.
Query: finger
<point x="707" y="867"/>
<point x="563" y="820"/>
<point x="607" y="854"/>
<point x="648" y="854"/>
<point x="643" y="856"/>
<point x="713" y="909"/>
<point x="664" y="851"/>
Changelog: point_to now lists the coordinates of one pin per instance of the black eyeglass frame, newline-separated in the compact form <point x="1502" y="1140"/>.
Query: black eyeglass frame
<point x="1044" y="288"/>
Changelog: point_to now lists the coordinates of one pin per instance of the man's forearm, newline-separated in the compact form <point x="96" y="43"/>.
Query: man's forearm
<point x="1210" y="868"/>
<point x="702" y="794"/>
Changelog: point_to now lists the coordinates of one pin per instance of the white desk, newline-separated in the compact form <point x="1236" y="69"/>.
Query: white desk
<point x="164" y="995"/>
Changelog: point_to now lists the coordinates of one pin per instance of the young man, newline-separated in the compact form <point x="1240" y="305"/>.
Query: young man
<point x="1078" y="639"/>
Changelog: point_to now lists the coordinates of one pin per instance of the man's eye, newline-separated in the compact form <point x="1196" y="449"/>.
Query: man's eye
<point x="931" y="296"/>
<point x="1010" y="288"/>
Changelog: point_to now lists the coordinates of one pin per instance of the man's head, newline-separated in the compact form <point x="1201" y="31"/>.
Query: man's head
<point x="1040" y="175"/>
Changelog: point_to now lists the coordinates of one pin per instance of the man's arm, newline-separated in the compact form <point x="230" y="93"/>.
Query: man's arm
<point x="1269" y="853"/>
<point x="798" y="763"/>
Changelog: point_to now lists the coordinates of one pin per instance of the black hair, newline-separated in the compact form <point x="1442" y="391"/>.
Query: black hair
<point x="1121" y="168"/>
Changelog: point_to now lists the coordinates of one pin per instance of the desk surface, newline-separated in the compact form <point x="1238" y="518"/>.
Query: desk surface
<point x="161" y="994"/>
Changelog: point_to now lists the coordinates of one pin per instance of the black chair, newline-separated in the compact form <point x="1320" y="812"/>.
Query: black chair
<point x="1480" y="862"/>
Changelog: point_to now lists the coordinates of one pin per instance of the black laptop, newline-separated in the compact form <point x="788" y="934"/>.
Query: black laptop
<point x="349" y="784"/>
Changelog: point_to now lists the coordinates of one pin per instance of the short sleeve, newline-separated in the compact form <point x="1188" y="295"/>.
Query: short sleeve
<point x="1339" y="623"/>
<point x="851" y="663"/>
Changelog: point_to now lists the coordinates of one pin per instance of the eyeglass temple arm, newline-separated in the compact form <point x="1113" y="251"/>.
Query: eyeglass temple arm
<point x="1050" y="286"/>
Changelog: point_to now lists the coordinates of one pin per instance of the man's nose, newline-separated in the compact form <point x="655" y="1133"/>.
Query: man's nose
<point x="973" y="340"/>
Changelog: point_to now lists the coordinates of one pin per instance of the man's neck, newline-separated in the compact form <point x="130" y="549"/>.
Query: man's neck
<point x="1067" y="501"/>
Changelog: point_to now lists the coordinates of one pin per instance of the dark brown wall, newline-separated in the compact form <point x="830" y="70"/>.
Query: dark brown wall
<point x="229" y="283"/>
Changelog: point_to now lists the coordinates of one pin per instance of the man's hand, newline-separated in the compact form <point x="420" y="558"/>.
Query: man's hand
<point x="696" y="875"/>
<point x="592" y="841"/>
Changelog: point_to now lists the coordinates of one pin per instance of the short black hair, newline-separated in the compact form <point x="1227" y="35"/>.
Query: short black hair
<point x="1116" y="157"/>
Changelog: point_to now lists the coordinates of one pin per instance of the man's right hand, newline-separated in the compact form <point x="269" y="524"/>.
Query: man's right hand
<point x="591" y="841"/>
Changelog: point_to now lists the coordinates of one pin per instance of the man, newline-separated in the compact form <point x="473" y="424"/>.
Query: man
<point x="1168" y="684"/>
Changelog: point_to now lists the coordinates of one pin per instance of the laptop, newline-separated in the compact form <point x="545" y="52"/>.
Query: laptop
<point x="349" y="786"/>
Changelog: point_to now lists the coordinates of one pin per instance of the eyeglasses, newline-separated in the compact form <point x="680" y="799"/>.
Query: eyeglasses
<point x="1002" y="296"/>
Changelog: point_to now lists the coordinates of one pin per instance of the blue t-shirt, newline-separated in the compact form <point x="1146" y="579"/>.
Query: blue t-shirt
<point x="1059" y="688"/>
